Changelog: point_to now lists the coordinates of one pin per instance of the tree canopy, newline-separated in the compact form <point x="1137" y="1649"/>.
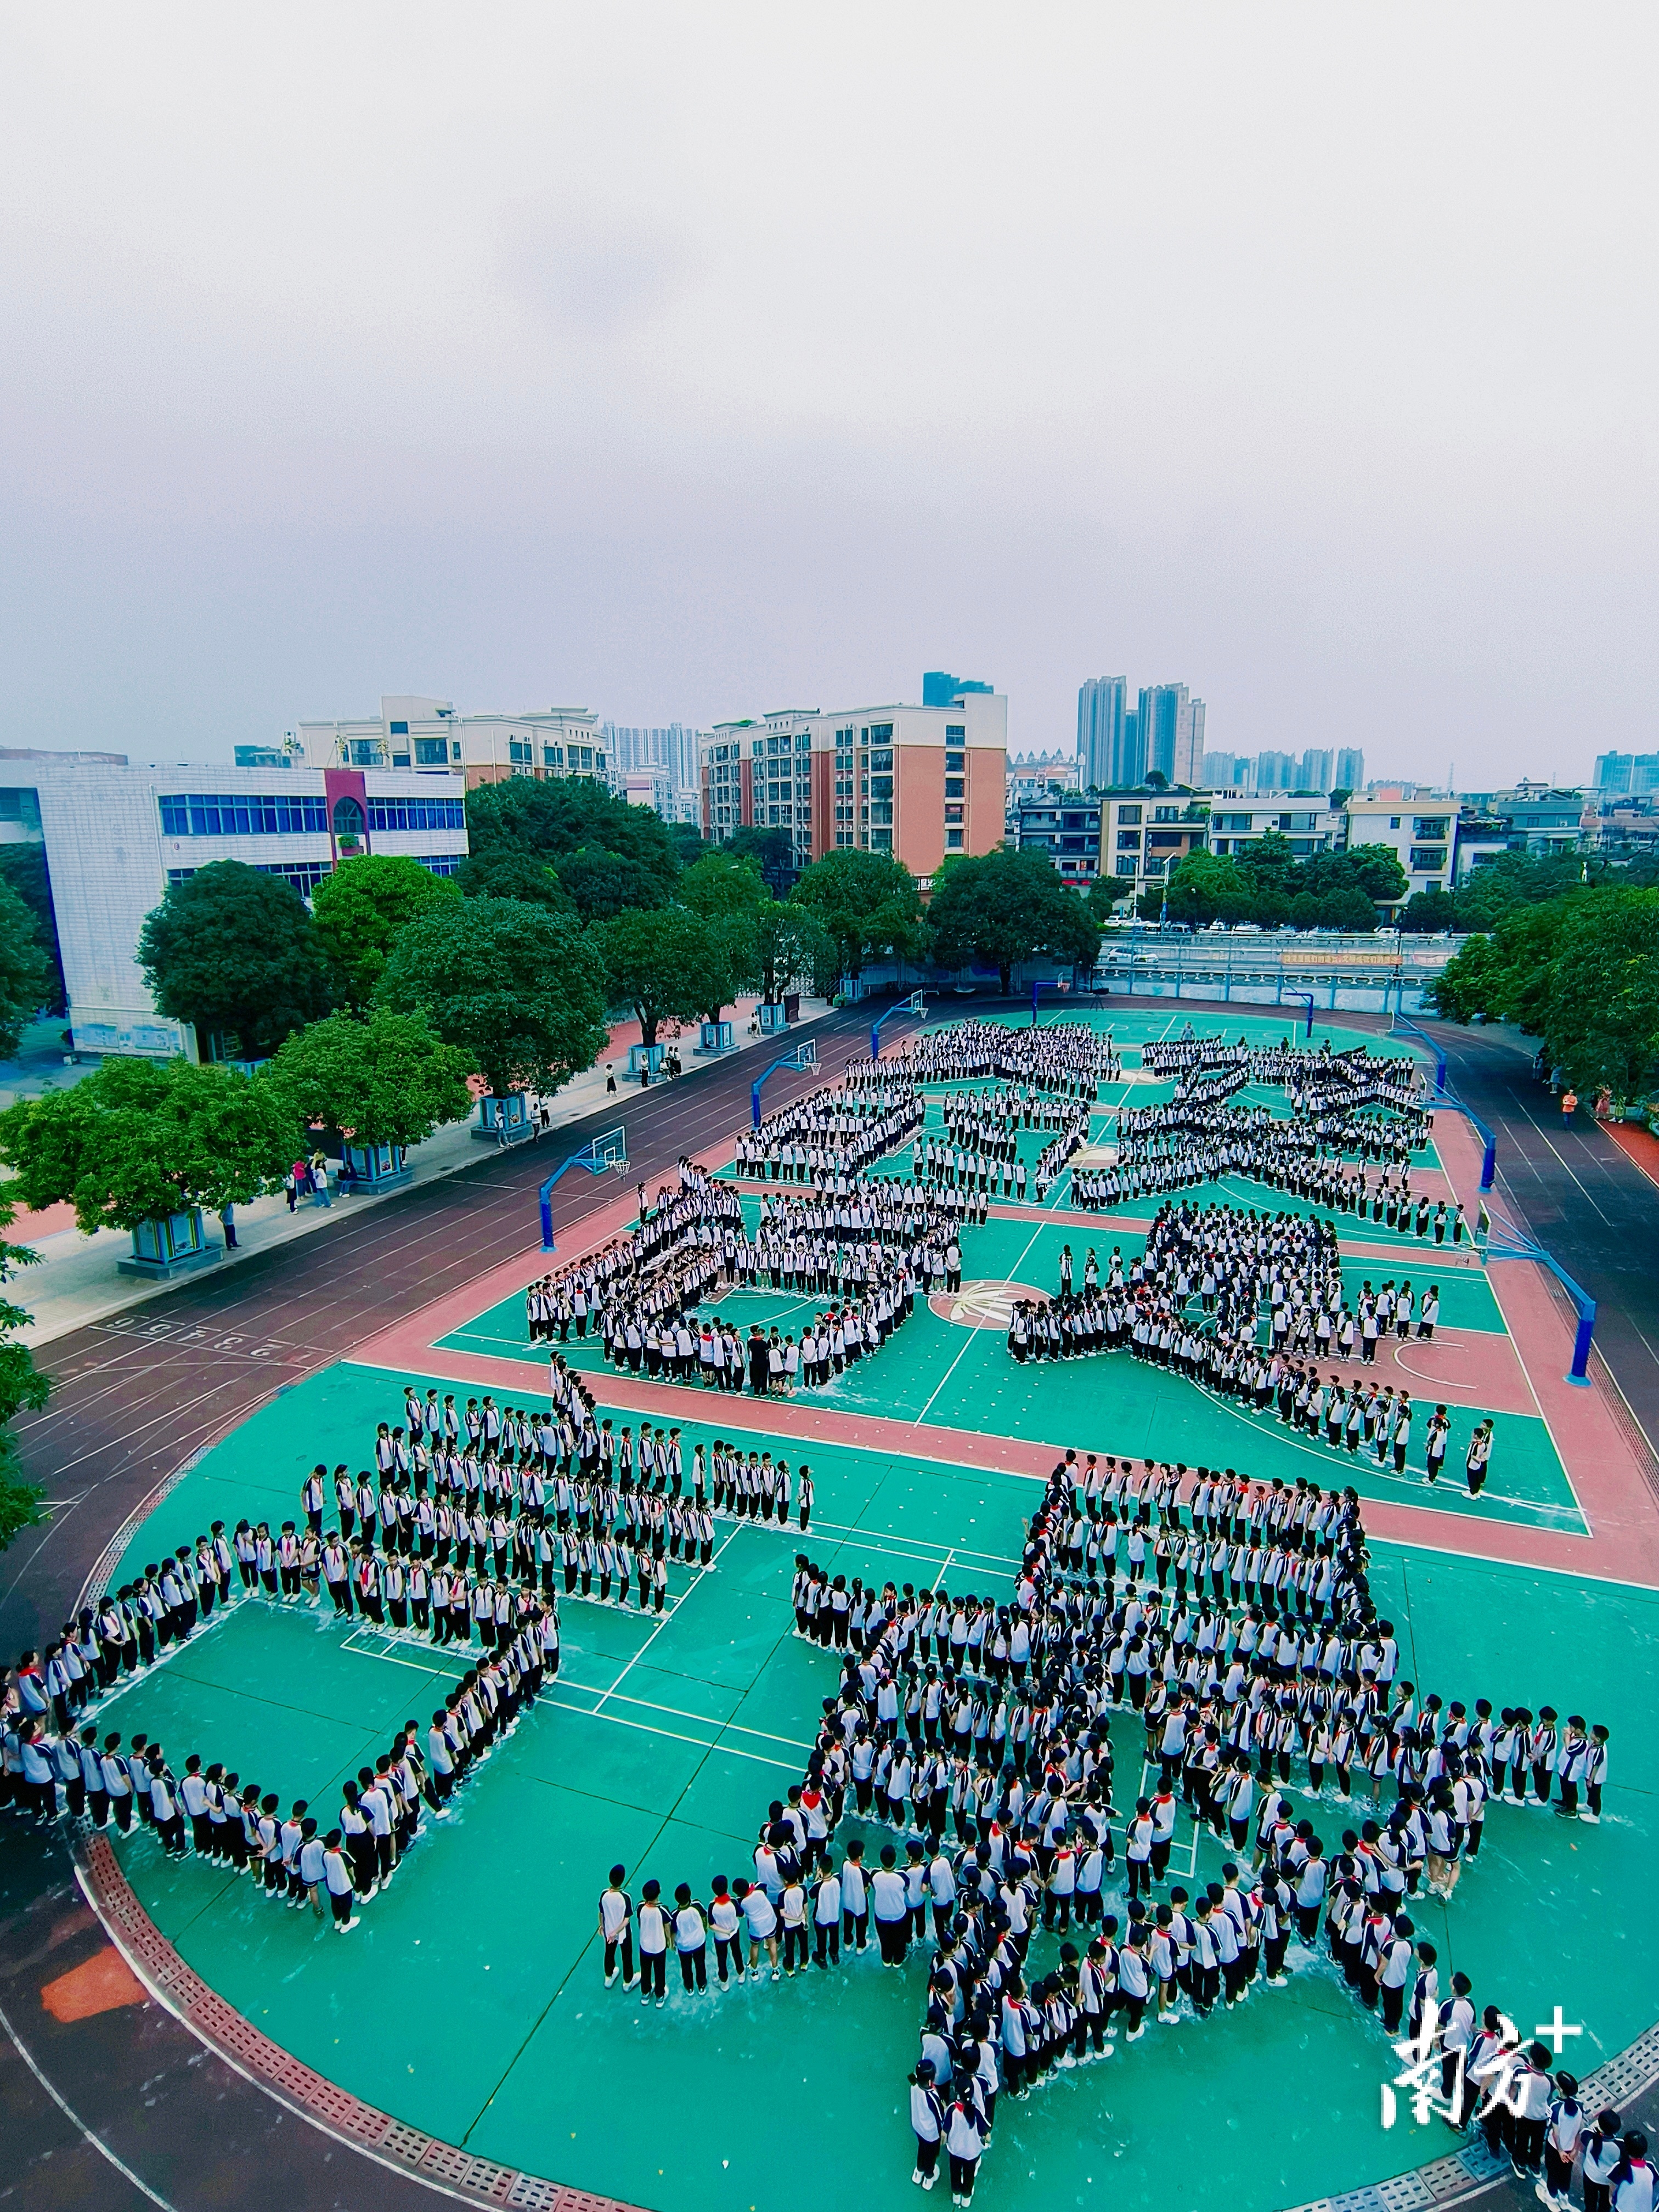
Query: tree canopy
<point x="564" y="815"/>
<point x="23" y="1387"/>
<point x="385" y="1080"/>
<point x="27" y="981"/>
<point x="516" y="987"/>
<point x="234" y="952"/>
<point x="1005" y="907"/>
<point x="667" y="963"/>
<point x="139" y="1139"/>
<point x="508" y="873"/>
<point x="1268" y="884"/>
<point x="723" y="882"/>
<point x="867" y="902"/>
<point x="1579" y="970"/>
<point x="773" y="852"/>
<point x="599" y="882"/>
<point x="361" y="910"/>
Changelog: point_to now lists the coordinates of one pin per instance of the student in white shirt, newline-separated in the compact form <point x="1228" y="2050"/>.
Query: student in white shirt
<point x="927" y="2122"/>
<point x="654" y="1945"/>
<point x="615" y="1927"/>
<point x="691" y="1939"/>
<point x="762" y="1921"/>
<point x="723" y="1924"/>
<point x="893" y="1908"/>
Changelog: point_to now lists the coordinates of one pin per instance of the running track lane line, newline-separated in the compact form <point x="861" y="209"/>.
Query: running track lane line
<point x="77" y="2122"/>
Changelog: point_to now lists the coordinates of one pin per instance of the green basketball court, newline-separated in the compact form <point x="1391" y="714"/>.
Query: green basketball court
<point x="470" y="2000"/>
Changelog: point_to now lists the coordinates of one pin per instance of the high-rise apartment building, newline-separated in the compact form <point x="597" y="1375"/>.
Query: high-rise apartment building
<point x="1228" y="771"/>
<point x="920" y="782"/>
<point x="1315" y="771"/>
<point x="1171" y="732"/>
<point x="1276" y="771"/>
<point x="1350" y="770"/>
<point x="1621" y="776"/>
<point x="1100" y="703"/>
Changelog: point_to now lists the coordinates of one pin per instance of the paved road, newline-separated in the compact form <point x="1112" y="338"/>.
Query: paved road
<point x="1584" y="1200"/>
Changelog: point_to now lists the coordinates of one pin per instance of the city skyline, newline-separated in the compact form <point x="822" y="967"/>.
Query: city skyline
<point x="443" y="414"/>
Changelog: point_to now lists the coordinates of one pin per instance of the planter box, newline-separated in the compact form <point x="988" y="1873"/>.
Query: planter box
<point x="511" y="1114"/>
<point x="175" y="1246"/>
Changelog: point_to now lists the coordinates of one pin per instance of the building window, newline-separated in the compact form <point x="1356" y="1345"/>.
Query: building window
<point x="953" y="787"/>
<point x="399" y="729"/>
<point x="1128" y="814"/>
<point x="417" y="814"/>
<point x="552" y="755"/>
<point x="348" y="821"/>
<point x="439" y="864"/>
<point x="881" y="841"/>
<point x="953" y="841"/>
<point x="1427" y="857"/>
<point x="881" y="810"/>
<point x="198" y="814"/>
<point x="431" y="752"/>
<point x="881" y="733"/>
<point x="955" y="730"/>
<point x="520" y="749"/>
<point x="881" y="787"/>
<point x="953" y="814"/>
<point x="1433" y="831"/>
<point x="1129" y="841"/>
<point x="955" y="764"/>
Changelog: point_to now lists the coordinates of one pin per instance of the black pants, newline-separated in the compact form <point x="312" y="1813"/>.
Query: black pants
<point x="890" y="1935"/>
<point x="829" y="1944"/>
<point x="694" y="1967"/>
<point x="963" y="2171"/>
<point x="653" y="1971"/>
<point x="1527" y="2147"/>
<point x="626" y="1947"/>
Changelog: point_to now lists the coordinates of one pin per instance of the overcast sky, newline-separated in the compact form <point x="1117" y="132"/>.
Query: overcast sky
<point x="686" y="363"/>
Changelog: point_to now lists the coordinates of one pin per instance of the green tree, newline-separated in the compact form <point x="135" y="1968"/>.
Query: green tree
<point x="564" y="815"/>
<point x="1346" y="907"/>
<point x="234" y="952"/>
<point x="22" y="1388"/>
<point x="723" y="882"/>
<point x="868" y="902"/>
<point x="1376" y="870"/>
<point x="516" y="987"/>
<point x="773" y="852"/>
<point x="1602" y="1023"/>
<point x="1466" y="986"/>
<point x="1426" y="911"/>
<point x="1006" y="907"/>
<point x="23" y="869"/>
<point x="361" y="910"/>
<point x="600" y="883"/>
<point x="666" y="964"/>
<point x="385" y="1080"/>
<point x="139" y="1139"/>
<point x="1107" y="893"/>
<point x="792" y="947"/>
<point x="508" y="874"/>
<point x="1208" y="887"/>
<point x="688" y="842"/>
<point x="26" y="976"/>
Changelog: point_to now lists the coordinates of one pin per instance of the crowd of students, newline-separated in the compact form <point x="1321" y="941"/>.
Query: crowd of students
<point x="1069" y="1059"/>
<point x="1210" y="1281"/>
<point x="1230" y="1626"/>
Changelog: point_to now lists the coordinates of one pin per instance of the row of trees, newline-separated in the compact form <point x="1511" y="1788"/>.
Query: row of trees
<point x="1268" y="884"/>
<point x="1579" y="970"/>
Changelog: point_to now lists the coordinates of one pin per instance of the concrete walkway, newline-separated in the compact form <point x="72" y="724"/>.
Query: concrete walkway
<point x="77" y="1281"/>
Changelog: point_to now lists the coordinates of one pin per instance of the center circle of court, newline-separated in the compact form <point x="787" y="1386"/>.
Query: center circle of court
<point x="985" y="1303"/>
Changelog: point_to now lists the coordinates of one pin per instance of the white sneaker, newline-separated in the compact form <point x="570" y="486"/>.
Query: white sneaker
<point x="610" y="1979"/>
<point x="916" y="2176"/>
